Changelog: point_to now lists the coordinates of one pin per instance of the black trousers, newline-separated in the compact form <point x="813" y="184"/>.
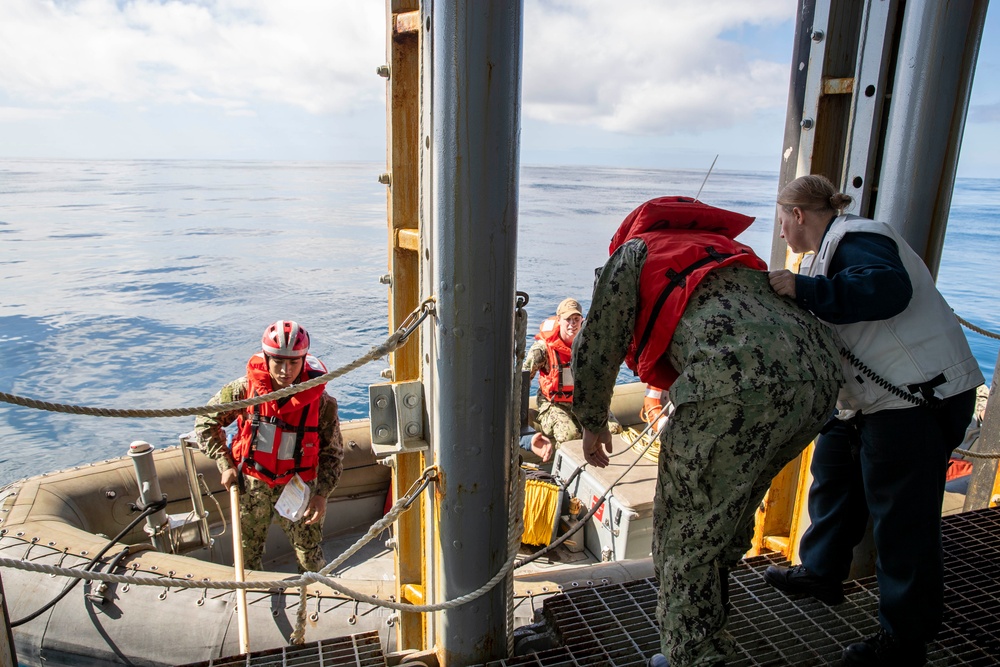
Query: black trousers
<point x="891" y="465"/>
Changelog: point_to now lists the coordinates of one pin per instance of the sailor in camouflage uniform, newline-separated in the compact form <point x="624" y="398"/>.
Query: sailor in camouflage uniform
<point x="753" y="378"/>
<point x="549" y="356"/>
<point x="277" y="440"/>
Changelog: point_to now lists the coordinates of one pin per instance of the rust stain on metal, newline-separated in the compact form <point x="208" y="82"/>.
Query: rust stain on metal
<point x="406" y="22"/>
<point x="440" y="486"/>
<point x="474" y="488"/>
<point x="838" y="86"/>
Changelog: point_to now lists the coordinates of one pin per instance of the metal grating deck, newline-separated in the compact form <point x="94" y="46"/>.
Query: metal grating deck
<point x="615" y="625"/>
<point x="362" y="650"/>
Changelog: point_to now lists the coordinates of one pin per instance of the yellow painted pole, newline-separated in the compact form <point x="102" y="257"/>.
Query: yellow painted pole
<point x="403" y="53"/>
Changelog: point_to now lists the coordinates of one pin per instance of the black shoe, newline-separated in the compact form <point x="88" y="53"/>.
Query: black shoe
<point x="800" y="581"/>
<point x="883" y="649"/>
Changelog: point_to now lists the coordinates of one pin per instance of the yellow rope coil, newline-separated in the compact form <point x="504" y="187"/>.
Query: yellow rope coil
<point x="640" y="442"/>
<point x="541" y="501"/>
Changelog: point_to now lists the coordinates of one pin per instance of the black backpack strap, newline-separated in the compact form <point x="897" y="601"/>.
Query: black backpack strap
<point x="299" y="433"/>
<point x="676" y="279"/>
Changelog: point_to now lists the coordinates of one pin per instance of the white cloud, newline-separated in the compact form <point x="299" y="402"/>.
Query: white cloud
<point x="649" y="66"/>
<point x="645" y="66"/>
<point x="313" y="54"/>
<point x="280" y="78"/>
<point x="16" y="114"/>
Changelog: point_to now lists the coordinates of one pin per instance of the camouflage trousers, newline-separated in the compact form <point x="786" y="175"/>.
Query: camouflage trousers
<point x="557" y="422"/>
<point x="256" y="514"/>
<point x="717" y="460"/>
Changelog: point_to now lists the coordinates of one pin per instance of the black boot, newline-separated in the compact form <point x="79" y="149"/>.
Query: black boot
<point x="883" y="649"/>
<point x="798" y="580"/>
<point x="660" y="660"/>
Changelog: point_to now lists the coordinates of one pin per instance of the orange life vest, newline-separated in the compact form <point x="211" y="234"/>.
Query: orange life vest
<point x="557" y="384"/>
<point x="685" y="239"/>
<point x="274" y="442"/>
<point x="957" y="468"/>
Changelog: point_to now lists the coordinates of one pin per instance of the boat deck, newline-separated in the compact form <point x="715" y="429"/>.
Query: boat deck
<point x="615" y="625"/>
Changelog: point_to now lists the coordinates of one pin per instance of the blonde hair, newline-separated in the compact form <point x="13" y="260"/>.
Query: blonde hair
<point x="813" y="193"/>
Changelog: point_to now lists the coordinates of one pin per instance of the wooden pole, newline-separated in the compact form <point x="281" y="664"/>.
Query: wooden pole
<point x="241" y="594"/>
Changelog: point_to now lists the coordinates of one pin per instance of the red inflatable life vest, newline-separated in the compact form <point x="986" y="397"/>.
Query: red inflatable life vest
<point x="685" y="239"/>
<point x="557" y="384"/>
<point x="274" y="442"/>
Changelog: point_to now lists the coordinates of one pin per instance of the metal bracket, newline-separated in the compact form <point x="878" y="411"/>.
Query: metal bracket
<point x="396" y="412"/>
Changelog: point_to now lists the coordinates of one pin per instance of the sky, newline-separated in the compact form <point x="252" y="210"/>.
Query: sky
<point x="651" y="83"/>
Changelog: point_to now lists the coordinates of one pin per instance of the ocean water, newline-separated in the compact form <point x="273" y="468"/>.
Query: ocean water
<point x="147" y="284"/>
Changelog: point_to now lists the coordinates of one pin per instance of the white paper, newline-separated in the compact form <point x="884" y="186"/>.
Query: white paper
<point x="293" y="500"/>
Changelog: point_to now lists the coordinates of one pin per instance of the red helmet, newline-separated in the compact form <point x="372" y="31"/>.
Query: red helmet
<point x="286" y="340"/>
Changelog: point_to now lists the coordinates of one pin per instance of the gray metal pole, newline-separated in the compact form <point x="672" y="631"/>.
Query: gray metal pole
<point x="141" y="453"/>
<point x="470" y="135"/>
<point x="939" y="44"/>
<point x="979" y="493"/>
<point x="793" y="118"/>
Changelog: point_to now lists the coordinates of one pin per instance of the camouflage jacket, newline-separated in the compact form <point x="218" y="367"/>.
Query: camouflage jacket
<point x="537" y="359"/>
<point x="735" y="335"/>
<point x="211" y="437"/>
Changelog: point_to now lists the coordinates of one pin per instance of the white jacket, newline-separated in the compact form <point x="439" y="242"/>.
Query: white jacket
<point x="922" y="344"/>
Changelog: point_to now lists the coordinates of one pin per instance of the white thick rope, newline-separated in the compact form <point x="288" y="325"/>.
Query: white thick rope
<point x="391" y="344"/>
<point x="302" y="580"/>
<point x="978" y="330"/>
<point x="965" y="453"/>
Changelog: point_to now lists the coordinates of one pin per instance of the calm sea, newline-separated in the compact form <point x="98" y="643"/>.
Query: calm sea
<point x="147" y="284"/>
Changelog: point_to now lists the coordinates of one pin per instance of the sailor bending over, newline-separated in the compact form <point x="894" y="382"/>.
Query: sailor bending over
<point x="752" y="377"/>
